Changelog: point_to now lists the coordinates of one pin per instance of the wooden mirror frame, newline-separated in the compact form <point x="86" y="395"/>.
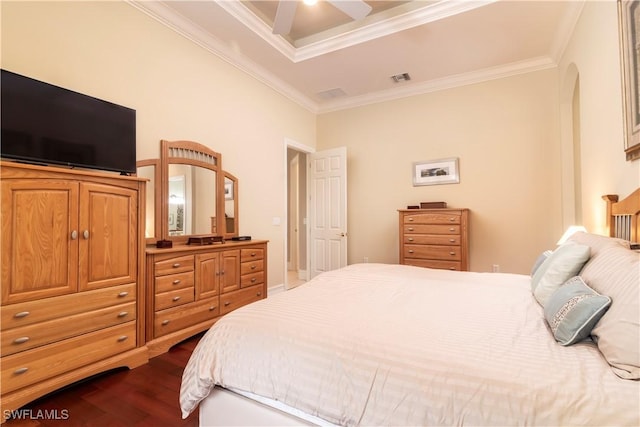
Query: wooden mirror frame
<point x="157" y="231"/>
<point x="226" y="175"/>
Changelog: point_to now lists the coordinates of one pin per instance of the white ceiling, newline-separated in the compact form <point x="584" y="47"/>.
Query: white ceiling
<point x="330" y="66"/>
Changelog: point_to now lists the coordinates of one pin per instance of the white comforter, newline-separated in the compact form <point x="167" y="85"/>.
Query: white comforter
<point x="394" y="345"/>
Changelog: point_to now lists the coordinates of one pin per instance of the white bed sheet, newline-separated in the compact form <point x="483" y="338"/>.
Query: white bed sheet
<point x="377" y="344"/>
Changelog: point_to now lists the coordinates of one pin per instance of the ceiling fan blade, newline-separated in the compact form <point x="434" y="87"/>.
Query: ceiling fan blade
<point x="356" y="9"/>
<point x="284" y="16"/>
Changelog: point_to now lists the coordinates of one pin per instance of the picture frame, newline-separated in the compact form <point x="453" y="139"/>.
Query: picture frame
<point x="438" y="171"/>
<point x="628" y="15"/>
<point x="228" y="190"/>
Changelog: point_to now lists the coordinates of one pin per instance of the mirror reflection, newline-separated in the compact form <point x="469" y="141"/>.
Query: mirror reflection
<point x="229" y="205"/>
<point x="191" y="200"/>
<point x="149" y="171"/>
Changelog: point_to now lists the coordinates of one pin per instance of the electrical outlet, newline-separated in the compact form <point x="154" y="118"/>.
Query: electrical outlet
<point x="496" y="268"/>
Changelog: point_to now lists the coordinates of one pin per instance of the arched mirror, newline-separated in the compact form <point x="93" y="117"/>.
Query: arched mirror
<point x="191" y="203"/>
<point x="230" y="205"/>
<point x="150" y="169"/>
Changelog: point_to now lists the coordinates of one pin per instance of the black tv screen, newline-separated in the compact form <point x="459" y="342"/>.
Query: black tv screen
<point x="46" y="124"/>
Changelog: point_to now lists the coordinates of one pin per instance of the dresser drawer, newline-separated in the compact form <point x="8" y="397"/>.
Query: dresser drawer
<point x="432" y="252"/>
<point x="172" y="282"/>
<point x="174" y="265"/>
<point x="251" y="254"/>
<point x="38" y="334"/>
<point x="432" y="239"/>
<point x="174" y="319"/>
<point x="247" y="280"/>
<point x="433" y="218"/>
<point x="236" y="299"/>
<point x="174" y="298"/>
<point x="29" y="367"/>
<point x="28" y="313"/>
<point x="251" y="267"/>
<point x="431" y="229"/>
<point x="430" y="263"/>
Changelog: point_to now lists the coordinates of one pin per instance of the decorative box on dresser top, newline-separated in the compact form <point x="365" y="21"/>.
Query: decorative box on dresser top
<point x="435" y="238"/>
<point x="72" y="273"/>
<point x="190" y="287"/>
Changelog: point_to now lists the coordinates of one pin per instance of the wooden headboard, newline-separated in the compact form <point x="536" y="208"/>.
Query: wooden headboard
<point x="622" y="216"/>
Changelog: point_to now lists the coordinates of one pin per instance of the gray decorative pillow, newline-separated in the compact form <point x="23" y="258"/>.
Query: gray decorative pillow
<point x="573" y="310"/>
<point x="541" y="258"/>
<point x="564" y="263"/>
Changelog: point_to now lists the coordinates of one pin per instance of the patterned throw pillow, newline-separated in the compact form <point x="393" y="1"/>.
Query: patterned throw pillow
<point x="573" y="310"/>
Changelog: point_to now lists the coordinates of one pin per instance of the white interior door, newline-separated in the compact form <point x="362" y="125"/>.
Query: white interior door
<point x="328" y="210"/>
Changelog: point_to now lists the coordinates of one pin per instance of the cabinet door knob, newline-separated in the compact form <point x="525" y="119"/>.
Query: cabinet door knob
<point x="21" y="340"/>
<point x="21" y="314"/>
<point x="85" y="234"/>
<point x="74" y="234"/>
<point x="123" y="314"/>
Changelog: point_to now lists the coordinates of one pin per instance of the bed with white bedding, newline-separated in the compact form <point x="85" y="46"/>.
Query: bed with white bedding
<point x="377" y="344"/>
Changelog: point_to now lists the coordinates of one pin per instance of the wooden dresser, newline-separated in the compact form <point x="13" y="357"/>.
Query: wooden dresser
<point x="72" y="274"/>
<point x="190" y="287"/>
<point x="435" y="238"/>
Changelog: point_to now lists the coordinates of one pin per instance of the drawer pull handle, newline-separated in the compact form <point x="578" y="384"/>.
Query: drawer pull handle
<point x="253" y="280"/>
<point x="410" y="228"/>
<point x="123" y="314"/>
<point x="20" y="371"/>
<point x="122" y="338"/>
<point x="175" y="282"/>
<point x="176" y="265"/>
<point x="21" y="314"/>
<point x="176" y="299"/>
<point x="165" y="322"/>
<point x="410" y="251"/>
<point x="410" y="219"/>
<point x="452" y="240"/>
<point x="253" y="267"/>
<point x="452" y="229"/>
<point x="452" y="253"/>
<point x="259" y="294"/>
<point x="253" y="254"/>
<point x="213" y="307"/>
<point x="452" y="219"/>
<point x="123" y="294"/>
<point x="226" y="303"/>
<point x="411" y="239"/>
<point x="452" y="268"/>
<point x="21" y="340"/>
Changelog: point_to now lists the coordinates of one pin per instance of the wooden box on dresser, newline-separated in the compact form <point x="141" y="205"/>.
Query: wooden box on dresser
<point x="189" y="287"/>
<point x="435" y="238"/>
<point x="72" y="273"/>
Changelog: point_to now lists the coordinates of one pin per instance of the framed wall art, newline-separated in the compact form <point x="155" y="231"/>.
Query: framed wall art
<point x="440" y="171"/>
<point x="629" y="27"/>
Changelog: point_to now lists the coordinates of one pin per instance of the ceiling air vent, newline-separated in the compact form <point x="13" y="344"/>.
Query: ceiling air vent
<point x="332" y="93"/>
<point x="401" y="77"/>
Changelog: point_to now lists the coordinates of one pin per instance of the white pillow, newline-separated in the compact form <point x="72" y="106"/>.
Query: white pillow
<point x="564" y="263"/>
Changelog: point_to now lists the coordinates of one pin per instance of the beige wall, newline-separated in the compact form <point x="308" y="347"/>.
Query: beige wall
<point x="505" y="134"/>
<point x="112" y="51"/>
<point x="593" y="55"/>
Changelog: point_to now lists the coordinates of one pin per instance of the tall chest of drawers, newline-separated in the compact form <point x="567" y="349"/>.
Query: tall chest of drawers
<point x="190" y="287"/>
<point x="435" y="238"/>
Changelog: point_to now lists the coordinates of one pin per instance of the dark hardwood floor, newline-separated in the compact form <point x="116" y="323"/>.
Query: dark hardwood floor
<point x="144" y="396"/>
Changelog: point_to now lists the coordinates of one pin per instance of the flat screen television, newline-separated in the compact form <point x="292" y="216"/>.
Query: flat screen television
<point x="46" y="124"/>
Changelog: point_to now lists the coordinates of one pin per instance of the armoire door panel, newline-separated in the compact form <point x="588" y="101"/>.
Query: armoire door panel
<point x="39" y="244"/>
